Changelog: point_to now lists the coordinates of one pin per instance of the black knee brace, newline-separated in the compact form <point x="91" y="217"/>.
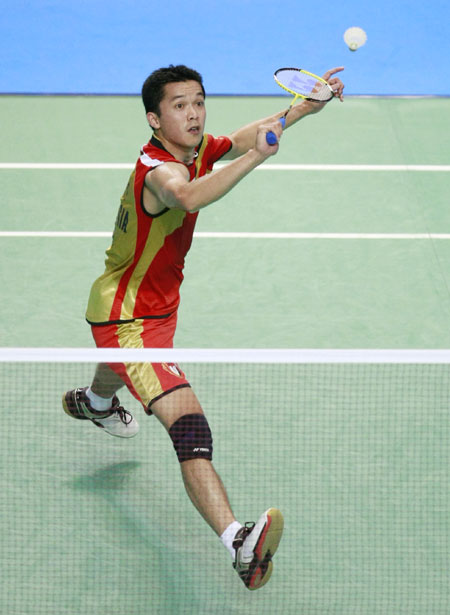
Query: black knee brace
<point x="191" y="437"/>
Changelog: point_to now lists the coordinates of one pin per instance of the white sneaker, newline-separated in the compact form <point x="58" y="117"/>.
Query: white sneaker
<point x="255" y="544"/>
<point x="116" y="421"/>
<point x="121" y="423"/>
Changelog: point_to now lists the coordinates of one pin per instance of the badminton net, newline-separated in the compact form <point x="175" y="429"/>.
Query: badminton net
<point x="352" y="446"/>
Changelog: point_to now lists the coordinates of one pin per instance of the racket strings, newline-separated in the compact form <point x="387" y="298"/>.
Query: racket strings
<point x="303" y="84"/>
<point x="321" y="91"/>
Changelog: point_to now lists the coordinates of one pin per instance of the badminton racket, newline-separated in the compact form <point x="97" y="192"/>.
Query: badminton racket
<point x="301" y="84"/>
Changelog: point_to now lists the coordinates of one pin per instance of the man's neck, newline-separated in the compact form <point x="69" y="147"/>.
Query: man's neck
<point x="187" y="156"/>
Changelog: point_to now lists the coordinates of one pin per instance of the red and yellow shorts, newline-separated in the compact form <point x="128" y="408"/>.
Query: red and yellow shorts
<point x="148" y="382"/>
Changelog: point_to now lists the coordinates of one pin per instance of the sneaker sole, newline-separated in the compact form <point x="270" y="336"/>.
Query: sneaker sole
<point x="260" y="576"/>
<point x="266" y="547"/>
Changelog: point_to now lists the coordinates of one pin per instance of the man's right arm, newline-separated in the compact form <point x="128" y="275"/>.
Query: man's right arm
<point x="168" y="185"/>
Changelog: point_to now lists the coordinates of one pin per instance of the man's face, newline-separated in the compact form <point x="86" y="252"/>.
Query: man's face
<point x="182" y="114"/>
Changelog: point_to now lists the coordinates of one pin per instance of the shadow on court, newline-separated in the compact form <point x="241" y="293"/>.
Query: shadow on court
<point x="114" y="477"/>
<point x="162" y="577"/>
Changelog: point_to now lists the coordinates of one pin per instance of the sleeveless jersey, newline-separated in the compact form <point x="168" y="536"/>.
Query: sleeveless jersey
<point x="144" y="264"/>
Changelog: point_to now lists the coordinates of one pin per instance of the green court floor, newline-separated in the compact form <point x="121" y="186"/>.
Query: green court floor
<point x="260" y="292"/>
<point x="356" y="457"/>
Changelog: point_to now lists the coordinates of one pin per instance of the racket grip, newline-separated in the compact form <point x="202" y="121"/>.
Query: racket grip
<point x="271" y="137"/>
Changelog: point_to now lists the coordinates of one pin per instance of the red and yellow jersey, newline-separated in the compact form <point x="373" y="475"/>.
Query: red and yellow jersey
<point x="144" y="264"/>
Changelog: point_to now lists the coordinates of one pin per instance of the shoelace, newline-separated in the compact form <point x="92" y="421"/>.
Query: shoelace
<point x="124" y="415"/>
<point x="241" y="536"/>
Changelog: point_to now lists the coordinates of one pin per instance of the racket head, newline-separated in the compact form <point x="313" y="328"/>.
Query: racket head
<point x="303" y="84"/>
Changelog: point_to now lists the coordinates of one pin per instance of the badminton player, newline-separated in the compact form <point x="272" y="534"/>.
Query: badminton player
<point x="133" y="304"/>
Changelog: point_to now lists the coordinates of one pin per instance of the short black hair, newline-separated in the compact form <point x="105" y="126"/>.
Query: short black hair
<point x="153" y="88"/>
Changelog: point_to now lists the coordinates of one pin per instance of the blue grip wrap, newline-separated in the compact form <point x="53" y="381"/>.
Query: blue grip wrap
<point x="271" y="137"/>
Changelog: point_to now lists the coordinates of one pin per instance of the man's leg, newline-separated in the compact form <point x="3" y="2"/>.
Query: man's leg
<point x="106" y="383"/>
<point x="251" y="546"/>
<point x="202" y="483"/>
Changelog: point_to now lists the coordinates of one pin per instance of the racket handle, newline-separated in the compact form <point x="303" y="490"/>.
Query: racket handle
<point x="271" y="137"/>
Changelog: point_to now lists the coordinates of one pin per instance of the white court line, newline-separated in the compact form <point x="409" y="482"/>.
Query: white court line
<point x="113" y="166"/>
<point x="236" y="235"/>
<point x="61" y="166"/>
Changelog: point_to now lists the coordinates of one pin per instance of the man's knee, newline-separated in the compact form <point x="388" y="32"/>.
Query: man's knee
<point x="191" y="437"/>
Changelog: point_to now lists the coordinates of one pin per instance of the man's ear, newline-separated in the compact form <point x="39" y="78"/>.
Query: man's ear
<point x="153" y="120"/>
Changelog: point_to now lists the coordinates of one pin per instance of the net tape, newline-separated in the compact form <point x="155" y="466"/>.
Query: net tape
<point x="227" y="355"/>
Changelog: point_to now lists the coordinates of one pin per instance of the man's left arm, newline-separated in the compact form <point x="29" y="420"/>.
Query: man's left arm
<point x="244" y="138"/>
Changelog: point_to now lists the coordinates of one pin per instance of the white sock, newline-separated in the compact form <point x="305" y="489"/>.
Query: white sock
<point x="229" y="535"/>
<point x="98" y="403"/>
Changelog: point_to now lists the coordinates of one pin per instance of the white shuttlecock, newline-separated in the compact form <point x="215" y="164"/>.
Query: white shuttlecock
<point x="355" y="38"/>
